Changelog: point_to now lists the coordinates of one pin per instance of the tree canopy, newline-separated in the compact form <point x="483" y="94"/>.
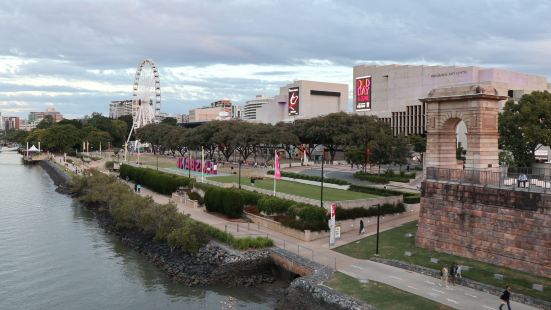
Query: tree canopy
<point x="526" y="125"/>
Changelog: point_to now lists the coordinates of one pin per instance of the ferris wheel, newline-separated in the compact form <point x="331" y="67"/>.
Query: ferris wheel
<point x="146" y="98"/>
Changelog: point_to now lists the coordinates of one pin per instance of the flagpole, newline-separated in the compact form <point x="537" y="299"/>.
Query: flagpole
<point x="275" y="172"/>
<point x="202" y="163"/>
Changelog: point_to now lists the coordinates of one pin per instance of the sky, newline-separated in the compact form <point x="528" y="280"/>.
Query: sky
<point x="78" y="55"/>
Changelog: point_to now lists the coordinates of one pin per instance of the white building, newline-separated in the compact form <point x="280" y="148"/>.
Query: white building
<point x="392" y="92"/>
<point x="118" y="108"/>
<point x="251" y="106"/>
<point x="302" y="100"/>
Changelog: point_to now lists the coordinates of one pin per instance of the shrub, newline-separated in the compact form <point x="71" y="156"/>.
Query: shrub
<point x="188" y="238"/>
<point x="353" y="213"/>
<point x="385" y="177"/>
<point x="232" y="203"/>
<point x="412" y="198"/>
<point x="109" y="165"/>
<point x="309" y="217"/>
<point x="225" y="201"/>
<point x="249" y="198"/>
<point x="274" y="205"/>
<point x="311" y="178"/>
<point x="160" y="182"/>
<point x="195" y="196"/>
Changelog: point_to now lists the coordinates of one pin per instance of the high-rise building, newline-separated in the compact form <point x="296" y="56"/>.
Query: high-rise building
<point x="118" y="108"/>
<point x="11" y="123"/>
<point x="251" y="106"/>
<point x="302" y="100"/>
<point x="392" y="92"/>
<point x="39" y="116"/>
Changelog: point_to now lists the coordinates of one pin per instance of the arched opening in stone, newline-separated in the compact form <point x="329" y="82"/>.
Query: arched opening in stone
<point x="461" y="142"/>
<point x="449" y="141"/>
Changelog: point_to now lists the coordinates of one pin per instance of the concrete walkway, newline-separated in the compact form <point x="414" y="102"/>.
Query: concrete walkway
<point x="458" y="297"/>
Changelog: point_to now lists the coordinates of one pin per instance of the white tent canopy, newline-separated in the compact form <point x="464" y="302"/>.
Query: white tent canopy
<point x="33" y="149"/>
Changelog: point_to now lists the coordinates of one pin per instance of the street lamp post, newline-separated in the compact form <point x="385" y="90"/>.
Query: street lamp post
<point x="240" y="174"/>
<point x="189" y="164"/>
<point x="322" y="160"/>
<point x="377" y="243"/>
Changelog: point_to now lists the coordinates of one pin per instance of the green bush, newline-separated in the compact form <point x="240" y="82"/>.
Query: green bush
<point x="160" y="182"/>
<point x="354" y="213"/>
<point x="188" y="238"/>
<point x="195" y="196"/>
<point x="249" y="198"/>
<point x="274" y="205"/>
<point x="109" y="165"/>
<point x="226" y="201"/>
<point x="385" y="177"/>
<point x="412" y="198"/>
<point x="232" y="204"/>
<point x="309" y="217"/>
<point x="311" y="178"/>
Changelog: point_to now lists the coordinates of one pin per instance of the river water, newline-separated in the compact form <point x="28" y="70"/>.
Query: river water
<point x="53" y="255"/>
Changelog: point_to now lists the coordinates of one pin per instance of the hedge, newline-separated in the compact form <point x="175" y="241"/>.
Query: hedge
<point x="385" y="177"/>
<point x="226" y="201"/>
<point x="160" y="182"/>
<point x="412" y="198"/>
<point x="309" y="217"/>
<point x="311" y="178"/>
<point x="274" y="205"/>
<point x="354" y="213"/>
<point x="408" y="197"/>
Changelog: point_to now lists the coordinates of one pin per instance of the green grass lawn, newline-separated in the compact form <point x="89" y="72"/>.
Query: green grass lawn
<point x="393" y="244"/>
<point x="381" y="295"/>
<point x="299" y="189"/>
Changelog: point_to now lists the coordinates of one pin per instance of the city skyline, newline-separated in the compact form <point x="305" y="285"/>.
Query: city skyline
<point x="80" y="56"/>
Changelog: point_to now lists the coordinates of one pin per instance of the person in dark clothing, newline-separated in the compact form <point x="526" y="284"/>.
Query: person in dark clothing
<point x="505" y="298"/>
<point x="453" y="272"/>
<point x="361" y="227"/>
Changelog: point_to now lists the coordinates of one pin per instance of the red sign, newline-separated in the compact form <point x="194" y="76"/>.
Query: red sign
<point x="333" y="211"/>
<point x="294" y="101"/>
<point x="363" y="93"/>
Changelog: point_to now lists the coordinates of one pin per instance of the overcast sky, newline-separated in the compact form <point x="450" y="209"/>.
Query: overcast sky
<point x="79" y="55"/>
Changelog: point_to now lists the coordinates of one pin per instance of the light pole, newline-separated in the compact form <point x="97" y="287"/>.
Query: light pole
<point x="377" y="243"/>
<point x="322" y="160"/>
<point x="189" y="164"/>
<point x="240" y="174"/>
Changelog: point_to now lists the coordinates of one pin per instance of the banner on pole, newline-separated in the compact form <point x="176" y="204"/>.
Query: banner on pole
<point x="277" y="173"/>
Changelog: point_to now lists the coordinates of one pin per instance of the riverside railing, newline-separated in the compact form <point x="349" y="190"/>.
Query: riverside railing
<point x="512" y="178"/>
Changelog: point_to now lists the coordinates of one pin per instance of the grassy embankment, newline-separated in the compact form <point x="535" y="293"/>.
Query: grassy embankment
<point x="393" y="243"/>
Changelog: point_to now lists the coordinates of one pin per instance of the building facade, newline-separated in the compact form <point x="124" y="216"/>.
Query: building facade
<point x="251" y="106"/>
<point x="11" y="123"/>
<point x="36" y="117"/>
<point x="118" y="108"/>
<point x="392" y="92"/>
<point x="208" y="114"/>
<point x="302" y="100"/>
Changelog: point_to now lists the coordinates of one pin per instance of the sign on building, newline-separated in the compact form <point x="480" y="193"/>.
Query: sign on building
<point x="363" y="93"/>
<point x="294" y="101"/>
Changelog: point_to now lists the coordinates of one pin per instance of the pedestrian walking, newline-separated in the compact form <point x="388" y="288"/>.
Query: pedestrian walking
<point x="453" y="273"/>
<point x="136" y="187"/>
<point x="444" y="276"/>
<point x="505" y="297"/>
<point x="458" y="272"/>
<point x="362" y="230"/>
<point x="139" y="188"/>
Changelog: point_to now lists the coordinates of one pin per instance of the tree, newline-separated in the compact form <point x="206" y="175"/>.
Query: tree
<point x="171" y="121"/>
<point x="46" y="122"/>
<point x="98" y="137"/>
<point x="525" y="126"/>
<point x="60" y="138"/>
<point x="419" y="145"/>
<point x="355" y="155"/>
<point x="17" y="136"/>
<point x="400" y="151"/>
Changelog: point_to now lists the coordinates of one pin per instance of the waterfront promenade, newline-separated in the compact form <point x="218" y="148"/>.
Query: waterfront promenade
<point x="458" y="297"/>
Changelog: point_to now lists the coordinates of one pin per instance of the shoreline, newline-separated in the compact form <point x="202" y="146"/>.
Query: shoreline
<point x="217" y="264"/>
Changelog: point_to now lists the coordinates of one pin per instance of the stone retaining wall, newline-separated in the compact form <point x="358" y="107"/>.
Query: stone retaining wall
<point x="57" y="174"/>
<point x="306" y="235"/>
<point x="528" y="300"/>
<point x="498" y="226"/>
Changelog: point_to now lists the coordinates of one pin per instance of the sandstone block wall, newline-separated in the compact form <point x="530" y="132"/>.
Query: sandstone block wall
<point x="498" y="226"/>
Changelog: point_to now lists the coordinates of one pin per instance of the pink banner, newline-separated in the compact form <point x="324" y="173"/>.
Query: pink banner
<point x="277" y="173"/>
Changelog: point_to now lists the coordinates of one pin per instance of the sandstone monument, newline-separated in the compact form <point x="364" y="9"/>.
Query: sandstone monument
<point x="478" y="210"/>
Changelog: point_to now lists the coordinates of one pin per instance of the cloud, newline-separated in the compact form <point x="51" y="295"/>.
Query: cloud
<point x="79" y="55"/>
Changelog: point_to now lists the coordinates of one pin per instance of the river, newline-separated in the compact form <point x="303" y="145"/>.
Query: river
<point x="53" y="255"/>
